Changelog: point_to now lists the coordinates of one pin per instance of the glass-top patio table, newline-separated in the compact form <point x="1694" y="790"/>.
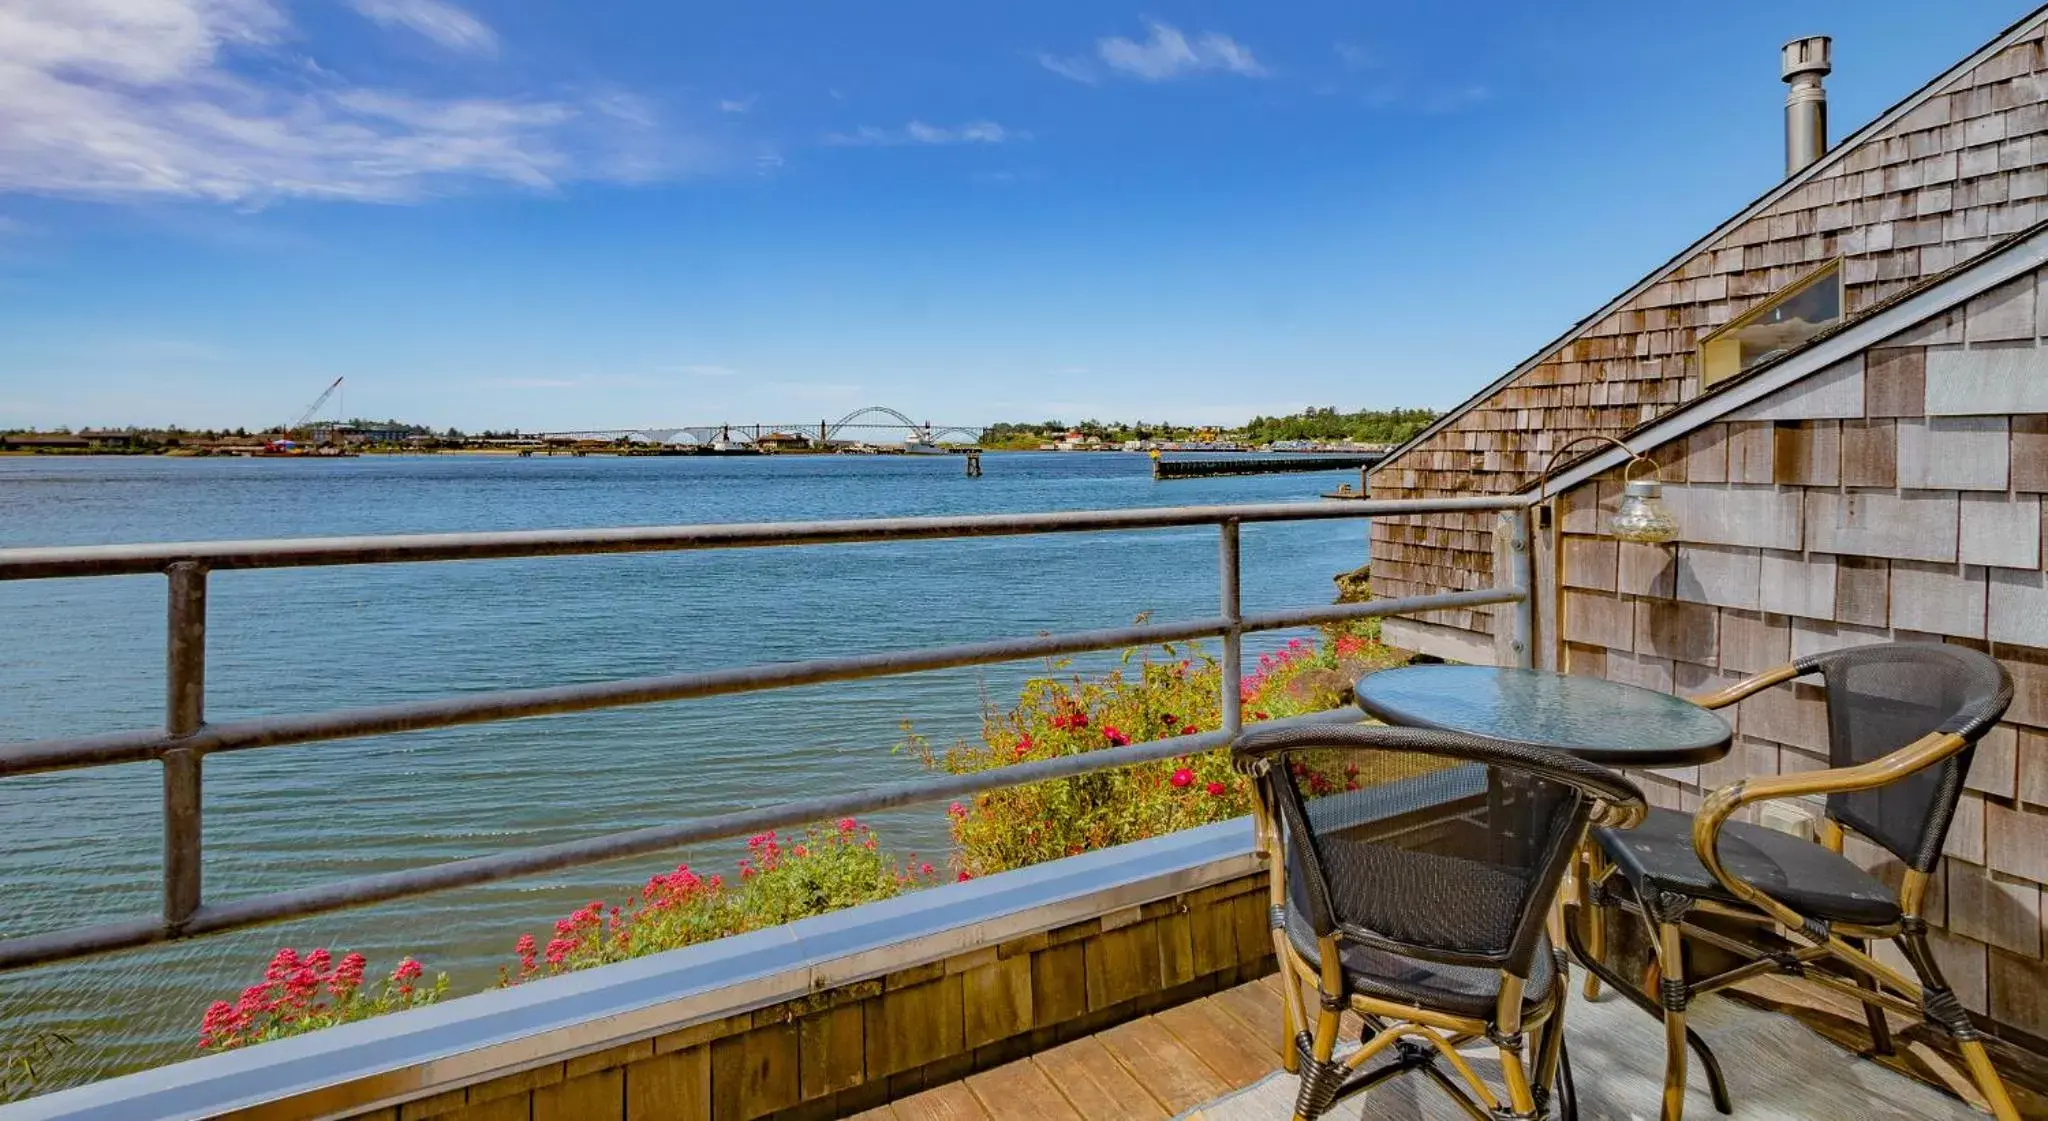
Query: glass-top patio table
<point x="1597" y="720"/>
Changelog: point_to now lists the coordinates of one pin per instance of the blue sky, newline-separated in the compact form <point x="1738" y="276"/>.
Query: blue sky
<point x="501" y="213"/>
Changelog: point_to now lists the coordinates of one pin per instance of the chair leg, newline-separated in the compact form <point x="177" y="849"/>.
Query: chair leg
<point x="1671" y="991"/>
<point x="1595" y="913"/>
<point x="1710" y="1066"/>
<point x="1321" y="1075"/>
<point x="1939" y="1004"/>
<point x="1521" y="1098"/>
<point x="1567" y="1093"/>
<point x="1873" y="1015"/>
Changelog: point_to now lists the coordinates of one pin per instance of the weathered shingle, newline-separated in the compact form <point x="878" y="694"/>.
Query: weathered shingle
<point x="1913" y="525"/>
<point x="1964" y="453"/>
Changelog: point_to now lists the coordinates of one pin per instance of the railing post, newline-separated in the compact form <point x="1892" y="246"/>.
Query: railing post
<point x="1514" y="638"/>
<point x="1233" y="634"/>
<point x="184" y="714"/>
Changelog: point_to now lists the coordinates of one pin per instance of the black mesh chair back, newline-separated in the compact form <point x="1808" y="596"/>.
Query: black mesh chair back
<point x="1882" y="698"/>
<point x="1435" y="845"/>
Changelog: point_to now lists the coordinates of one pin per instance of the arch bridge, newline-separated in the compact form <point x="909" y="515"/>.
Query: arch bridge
<point x="855" y="427"/>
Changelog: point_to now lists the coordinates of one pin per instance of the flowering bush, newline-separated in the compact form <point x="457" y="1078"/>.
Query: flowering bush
<point x="1148" y="698"/>
<point x="835" y="866"/>
<point x="301" y="993"/>
<point x="830" y="868"/>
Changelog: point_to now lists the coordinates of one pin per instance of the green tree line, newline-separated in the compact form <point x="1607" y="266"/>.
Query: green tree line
<point x="1372" y="426"/>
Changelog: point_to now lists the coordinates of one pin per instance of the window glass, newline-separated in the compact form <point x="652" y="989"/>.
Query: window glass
<point x="1784" y="321"/>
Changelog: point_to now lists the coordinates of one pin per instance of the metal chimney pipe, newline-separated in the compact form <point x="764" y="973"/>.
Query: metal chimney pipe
<point x="1804" y="62"/>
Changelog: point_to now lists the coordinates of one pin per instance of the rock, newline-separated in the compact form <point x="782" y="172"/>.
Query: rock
<point x="1354" y="586"/>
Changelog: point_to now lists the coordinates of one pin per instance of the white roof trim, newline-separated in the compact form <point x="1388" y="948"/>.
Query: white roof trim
<point x="2013" y="261"/>
<point x="1839" y="152"/>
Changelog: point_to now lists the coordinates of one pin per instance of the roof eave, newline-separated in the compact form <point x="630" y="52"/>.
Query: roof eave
<point x="1840" y="151"/>
<point x="2017" y="257"/>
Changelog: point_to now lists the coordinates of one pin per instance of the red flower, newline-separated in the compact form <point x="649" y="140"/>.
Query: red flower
<point x="281" y="965"/>
<point x="407" y="970"/>
<point x="1190" y="730"/>
<point x="1183" y="778"/>
<point x="1116" y="738"/>
<point x="1218" y="789"/>
<point x="924" y="869"/>
<point x="963" y="877"/>
<point x="848" y="825"/>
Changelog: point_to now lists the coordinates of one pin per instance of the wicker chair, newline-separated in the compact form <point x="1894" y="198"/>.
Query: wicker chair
<point x="1903" y="722"/>
<point x="1414" y="886"/>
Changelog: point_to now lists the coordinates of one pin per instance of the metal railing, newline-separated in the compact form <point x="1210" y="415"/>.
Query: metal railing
<point x="187" y="737"/>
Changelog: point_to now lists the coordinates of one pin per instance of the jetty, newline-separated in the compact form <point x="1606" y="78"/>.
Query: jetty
<point x="1262" y="465"/>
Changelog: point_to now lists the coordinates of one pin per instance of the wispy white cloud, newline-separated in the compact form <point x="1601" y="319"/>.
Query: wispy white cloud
<point x="1075" y="69"/>
<point x="1388" y="86"/>
<point x="737" y="104"/>
<point x="444" y="23"/>
<point x="1166" y="53"/>
<point x="918" y="132"/>
<point x="118" y="99"/>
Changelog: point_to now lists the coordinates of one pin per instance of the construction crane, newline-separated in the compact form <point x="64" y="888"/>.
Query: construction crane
<point x="284" y="444"/>
<point x="307" y="416"/>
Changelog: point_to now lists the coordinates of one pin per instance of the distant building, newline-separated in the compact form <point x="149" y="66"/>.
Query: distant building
<point x="43" y="441"/>
<point x="771" y="442"/>
<point x="109" y="439"/>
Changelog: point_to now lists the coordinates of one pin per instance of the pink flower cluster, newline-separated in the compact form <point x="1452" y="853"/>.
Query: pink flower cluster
<point x="1254" y="682"/>
<point x="294" y="988"/>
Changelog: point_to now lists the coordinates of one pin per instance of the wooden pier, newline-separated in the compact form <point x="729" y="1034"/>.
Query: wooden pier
<point x="1260" y="465"/>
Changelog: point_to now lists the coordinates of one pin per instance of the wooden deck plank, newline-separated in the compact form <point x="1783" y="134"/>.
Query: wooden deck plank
<point x="1098" y="1086"/>
<point x="1020" y="1091"/>
<point x="880" y="1113"/>
<point x="1163" y="1065"/>
<point x="950" y="1102"/>
<point x="1257" y="1008"/>
<point x="1233" y="1051"/>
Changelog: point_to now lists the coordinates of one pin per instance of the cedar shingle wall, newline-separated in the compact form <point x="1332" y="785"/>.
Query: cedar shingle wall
<point x="1897" y="496"/>
<point x="1937" y="187"/>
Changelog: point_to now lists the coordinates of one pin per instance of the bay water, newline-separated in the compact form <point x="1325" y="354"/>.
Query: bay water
<point x="86" y="656"/>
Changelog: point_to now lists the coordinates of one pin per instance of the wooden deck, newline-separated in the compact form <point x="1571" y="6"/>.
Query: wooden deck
<point x="1167" y="1063"/>
<point x="1149" y="1068"/>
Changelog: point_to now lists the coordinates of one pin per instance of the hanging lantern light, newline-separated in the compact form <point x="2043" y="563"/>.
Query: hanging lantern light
<point x="1642" y="516"/>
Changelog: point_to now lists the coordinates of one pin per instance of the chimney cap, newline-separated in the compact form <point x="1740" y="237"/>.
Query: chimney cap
<point x="1813" y="54"/>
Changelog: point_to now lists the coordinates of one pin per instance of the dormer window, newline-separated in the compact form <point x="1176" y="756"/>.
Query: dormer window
<point x="1795" y="314"/>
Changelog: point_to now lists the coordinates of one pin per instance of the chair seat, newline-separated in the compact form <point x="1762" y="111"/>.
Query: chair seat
<point x="1658" y="856"/>
<point x="1462" y="990"/>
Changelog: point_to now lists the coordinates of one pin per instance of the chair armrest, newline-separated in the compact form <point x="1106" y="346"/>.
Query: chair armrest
<point x="1747" y="687"/>
<point x="1722" y="804"/>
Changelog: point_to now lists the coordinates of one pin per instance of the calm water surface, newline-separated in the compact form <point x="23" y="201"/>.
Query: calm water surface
<point x="84" y="656"/>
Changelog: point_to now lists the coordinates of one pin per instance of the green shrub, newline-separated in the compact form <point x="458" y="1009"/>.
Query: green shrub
<point x="1149" y="697"/>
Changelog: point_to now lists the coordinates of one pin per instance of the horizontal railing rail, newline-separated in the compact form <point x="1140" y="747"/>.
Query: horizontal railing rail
<point x="187" y="737"/>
